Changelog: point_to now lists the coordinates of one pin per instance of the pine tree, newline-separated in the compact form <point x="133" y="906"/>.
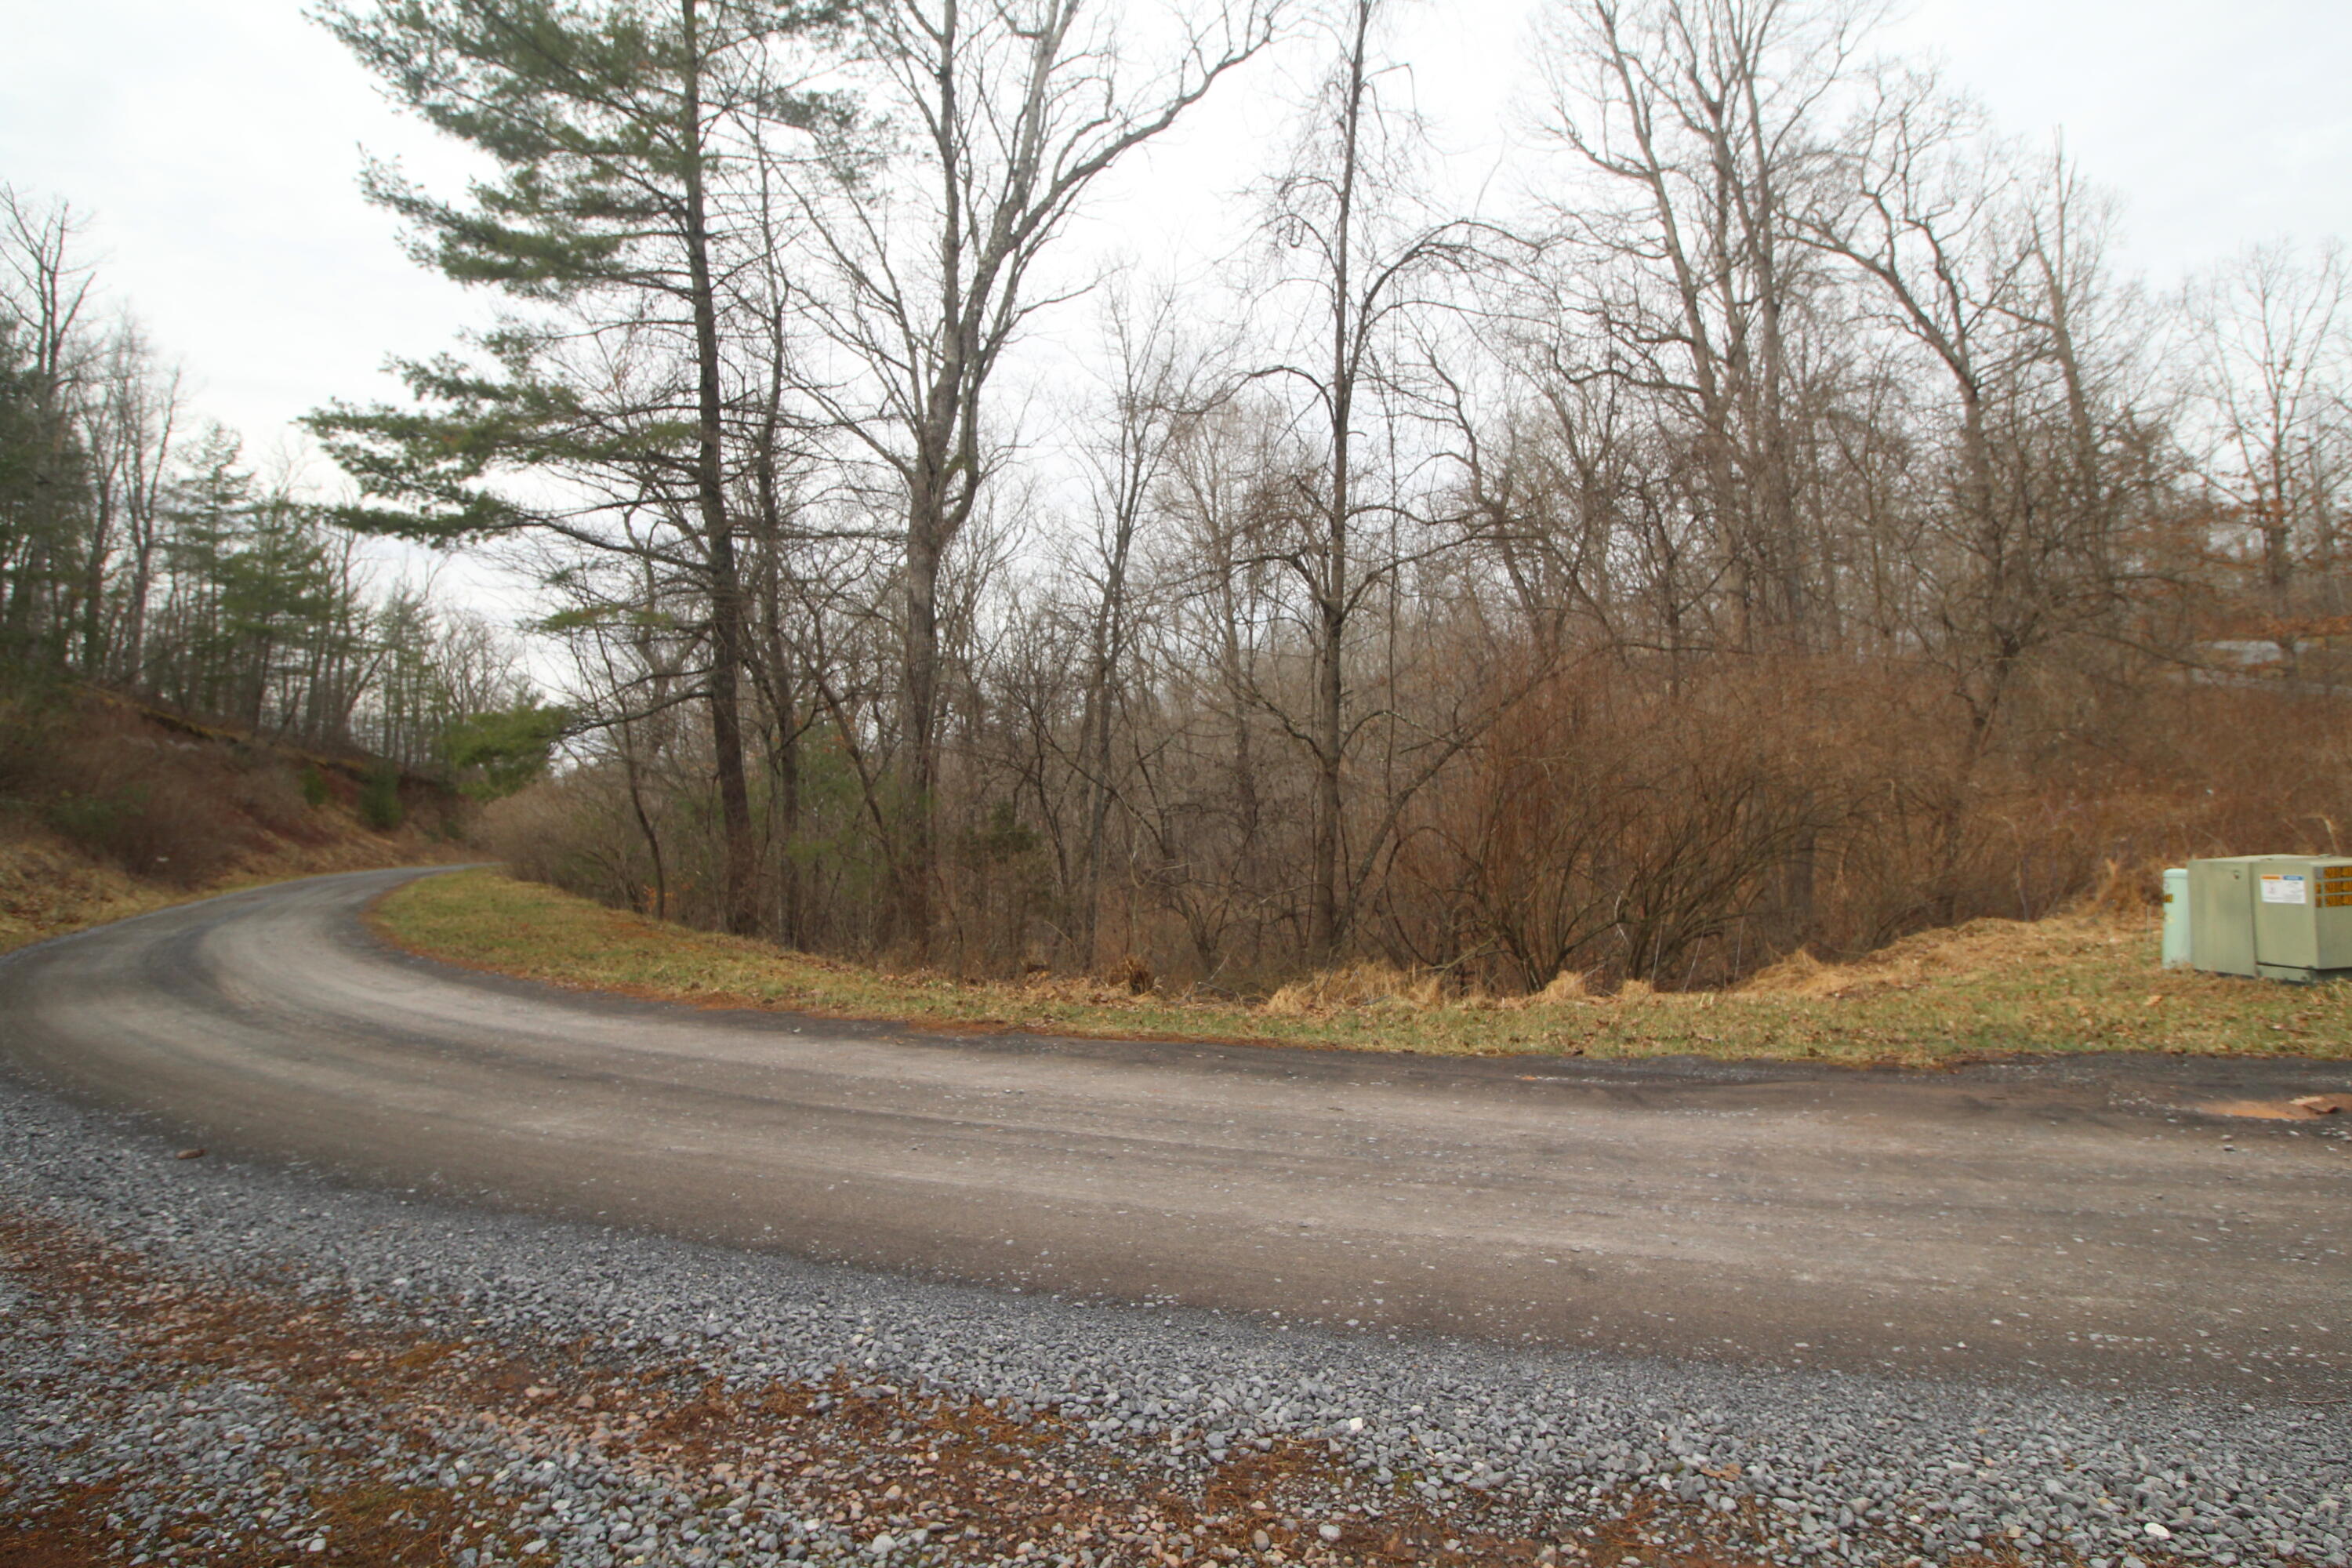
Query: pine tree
<point x="613" y="127"/>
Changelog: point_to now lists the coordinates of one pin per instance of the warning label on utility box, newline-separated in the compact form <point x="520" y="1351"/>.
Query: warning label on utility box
<point x="2282" y="887"/>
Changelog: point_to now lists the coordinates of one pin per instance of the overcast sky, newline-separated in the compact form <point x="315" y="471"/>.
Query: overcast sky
<point x="214" y="146"/>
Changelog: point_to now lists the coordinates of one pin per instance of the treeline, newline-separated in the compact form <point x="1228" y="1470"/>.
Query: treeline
<point x="1785" y="526"/>
<point x="141" y="554"/>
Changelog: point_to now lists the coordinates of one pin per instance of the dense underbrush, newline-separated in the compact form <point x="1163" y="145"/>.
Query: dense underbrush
<point x="1607" y="827"/>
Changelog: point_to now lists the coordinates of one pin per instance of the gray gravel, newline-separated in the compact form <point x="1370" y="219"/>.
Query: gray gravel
<point x="1838" y="1467"/>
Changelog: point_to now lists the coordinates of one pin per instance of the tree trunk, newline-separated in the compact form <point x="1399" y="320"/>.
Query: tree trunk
<point x="781" y="685"/>
<point x="915" y="867"/>
<point x="1094" y="750"/>
<point x="739" y="895"/>
<point x="1325" y="931"/>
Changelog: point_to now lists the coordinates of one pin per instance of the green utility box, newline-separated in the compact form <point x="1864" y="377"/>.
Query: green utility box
<point x="2283" y="917"/>
<point x="2175" y="917"/>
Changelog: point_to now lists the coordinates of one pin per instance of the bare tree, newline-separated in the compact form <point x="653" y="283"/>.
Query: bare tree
<point x="1703" y="120"/>
<point x="1158" y="384"/>
<point x="1347" y="238"/>
<point x="2273" y="336"/>
<point x="44" y="287"/>
<point x="1963" y="264"/>
<point x="1010" y="112"/>
<point x="133" y="435"/>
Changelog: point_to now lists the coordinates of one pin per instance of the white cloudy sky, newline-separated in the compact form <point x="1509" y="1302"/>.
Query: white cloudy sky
<point x="214" y="145"/>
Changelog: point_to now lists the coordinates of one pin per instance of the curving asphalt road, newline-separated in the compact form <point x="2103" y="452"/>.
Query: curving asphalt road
<point x="2074" y="1220"/>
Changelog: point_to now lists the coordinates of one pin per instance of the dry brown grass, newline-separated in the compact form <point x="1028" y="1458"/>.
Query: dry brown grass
<point x="47" y="889"/>
<point x="1568" y="985"/>
<point x="109" y="809"/>
<point x="2073" y="984"/>
<point x="1978" y="947"/>
<point x="51" y="888"/>
<point x="1365" y="983"/>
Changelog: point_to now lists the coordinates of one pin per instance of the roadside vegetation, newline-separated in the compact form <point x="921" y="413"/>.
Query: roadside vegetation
<point x="110" y="809"/>
<point x="1789" y="533"/>
<point x="206" y="680"/>
<point x="2082" y="982"/>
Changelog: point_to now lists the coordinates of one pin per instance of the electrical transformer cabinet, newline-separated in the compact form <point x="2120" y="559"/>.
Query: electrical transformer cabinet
<point x="2175" y="917"/>
<point x="2283" y="917"/>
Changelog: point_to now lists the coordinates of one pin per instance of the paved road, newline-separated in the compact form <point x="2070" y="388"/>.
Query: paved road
<point x="2070" y="1220"/>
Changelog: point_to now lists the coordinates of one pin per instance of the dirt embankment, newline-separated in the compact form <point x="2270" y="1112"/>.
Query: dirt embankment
<point x="110" y="809"/>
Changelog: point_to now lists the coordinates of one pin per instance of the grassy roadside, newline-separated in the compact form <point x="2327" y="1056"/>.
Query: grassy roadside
<point x="2070" y="983"/>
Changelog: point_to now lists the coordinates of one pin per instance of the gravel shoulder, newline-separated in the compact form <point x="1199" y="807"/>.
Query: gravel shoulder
<point x="220" y="1363"/>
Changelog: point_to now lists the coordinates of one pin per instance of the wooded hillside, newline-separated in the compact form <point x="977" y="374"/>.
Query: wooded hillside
<point x="1773" y="522"/>
<point x="146" y="566"/>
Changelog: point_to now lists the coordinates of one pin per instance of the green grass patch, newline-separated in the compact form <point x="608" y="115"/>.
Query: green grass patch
<point x="2075" y="983"/>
